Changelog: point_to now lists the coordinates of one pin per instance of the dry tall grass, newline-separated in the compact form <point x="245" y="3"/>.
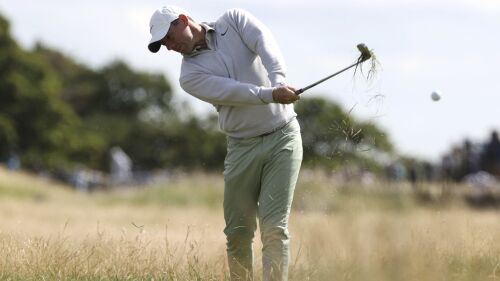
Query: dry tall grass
<point x="174" y="232"/>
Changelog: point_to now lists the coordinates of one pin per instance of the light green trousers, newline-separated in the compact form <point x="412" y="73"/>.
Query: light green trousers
<point x="260" y="175"/>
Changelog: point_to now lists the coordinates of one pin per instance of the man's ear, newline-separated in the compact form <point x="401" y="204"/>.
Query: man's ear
<point x="184" y="19"/>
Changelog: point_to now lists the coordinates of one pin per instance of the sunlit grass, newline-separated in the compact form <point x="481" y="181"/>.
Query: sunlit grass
<point x="340" y="231"/>
<point x="195" y="189"/>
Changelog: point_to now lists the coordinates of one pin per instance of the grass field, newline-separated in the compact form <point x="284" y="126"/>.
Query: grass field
<point x="340" y="231"/>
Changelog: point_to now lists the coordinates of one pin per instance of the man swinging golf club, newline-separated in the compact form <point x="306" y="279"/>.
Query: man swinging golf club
<point x="235" y="64"/>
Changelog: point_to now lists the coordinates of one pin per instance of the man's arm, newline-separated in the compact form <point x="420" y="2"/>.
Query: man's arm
<point x="226" y="91"/>
<point x="260" y="40"/>
<point x="219" y="90"/>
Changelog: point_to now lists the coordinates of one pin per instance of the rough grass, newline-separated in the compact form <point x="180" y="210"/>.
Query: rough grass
<point x="340" y="231"/>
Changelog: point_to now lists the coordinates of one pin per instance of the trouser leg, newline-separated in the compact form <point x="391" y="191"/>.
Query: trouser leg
<point x="260" y="176"/>
<point x="278" y="184"/>
<point x="241" y="189"/>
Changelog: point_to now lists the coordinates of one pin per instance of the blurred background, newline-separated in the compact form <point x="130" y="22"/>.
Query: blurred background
<point x="80" y="93"/>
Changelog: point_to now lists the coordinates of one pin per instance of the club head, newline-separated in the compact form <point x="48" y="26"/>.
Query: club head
<point x="365" y="52"/>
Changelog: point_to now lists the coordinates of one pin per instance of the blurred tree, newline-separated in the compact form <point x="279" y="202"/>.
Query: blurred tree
<point x="129" y="92"/>
<point x="331" y="136"/>
<point x="8" y="136"/>
<point x="194" y="143"/>
<point x="134" y="110"/>
<point x="34" y="120"/>
<point x="80" y="84"/>
<point x="113" y="89"/>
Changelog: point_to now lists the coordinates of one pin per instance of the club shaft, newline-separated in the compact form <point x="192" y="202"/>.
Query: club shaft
<point x="300" y="91"/>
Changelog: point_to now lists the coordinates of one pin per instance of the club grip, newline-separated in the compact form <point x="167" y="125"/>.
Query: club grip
<point x="299" y="91"/>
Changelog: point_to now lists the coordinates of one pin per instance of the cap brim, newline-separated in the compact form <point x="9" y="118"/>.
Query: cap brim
<point x="154" y="47"/>
<point x="157" y="35"/>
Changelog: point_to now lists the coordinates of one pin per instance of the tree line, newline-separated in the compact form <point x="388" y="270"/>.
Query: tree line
<point x="56" y="113"/>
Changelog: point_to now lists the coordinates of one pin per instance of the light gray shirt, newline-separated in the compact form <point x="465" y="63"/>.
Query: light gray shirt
<point x="237" y="74"/>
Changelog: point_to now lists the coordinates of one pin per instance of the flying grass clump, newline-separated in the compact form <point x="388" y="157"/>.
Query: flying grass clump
<point x="367" y="54"/>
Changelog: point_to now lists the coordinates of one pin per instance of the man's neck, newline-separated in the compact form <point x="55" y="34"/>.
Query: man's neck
<point x="200" y="37"/>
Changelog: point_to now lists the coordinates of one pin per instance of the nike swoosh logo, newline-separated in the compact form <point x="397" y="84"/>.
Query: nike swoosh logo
<point x="222" y="34"/>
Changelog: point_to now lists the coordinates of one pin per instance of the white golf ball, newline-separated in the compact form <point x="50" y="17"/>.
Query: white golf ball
<point x="436" y="95"/>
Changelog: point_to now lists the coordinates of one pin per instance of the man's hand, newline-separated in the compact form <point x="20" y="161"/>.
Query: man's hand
<point x="285" y="95"/>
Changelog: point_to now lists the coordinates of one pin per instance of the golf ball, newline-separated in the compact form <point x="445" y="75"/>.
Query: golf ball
<point x="436" y="95"/>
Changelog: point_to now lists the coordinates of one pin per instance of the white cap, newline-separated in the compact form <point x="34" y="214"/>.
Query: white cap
<point x="160" y="23"/>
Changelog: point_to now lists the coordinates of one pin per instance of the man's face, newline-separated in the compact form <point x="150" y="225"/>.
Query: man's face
<point x="179" y="37"/>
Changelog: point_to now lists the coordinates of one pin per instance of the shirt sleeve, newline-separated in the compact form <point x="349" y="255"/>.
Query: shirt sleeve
<point x="219" y="90"/>
<point x="261" y="41"/>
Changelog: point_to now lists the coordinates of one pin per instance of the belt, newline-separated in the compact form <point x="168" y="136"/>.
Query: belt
<point x="276" y="129"/>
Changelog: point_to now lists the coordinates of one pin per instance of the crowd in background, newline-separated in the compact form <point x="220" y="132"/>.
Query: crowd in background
<point x="469" y="161"/>
<point x="470" y="158"/>
<point x="461" y="163"/>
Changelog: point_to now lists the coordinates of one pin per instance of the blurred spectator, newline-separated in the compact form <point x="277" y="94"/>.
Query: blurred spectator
<point x="490" y="157"/>
<point x="470" y="159"/>
<point x="396" y="171"/>
<point x="78" y="178"/>
<point x="86" y="180"/>
<point x="462" y="161"/>
<point x="429" y="172"/>
<point x="13" y="162"/>
<point x="454" y="163"/>
<point x="446" y="167"/>
<point x="121" y="167"/>
<point x="413" y="174"/>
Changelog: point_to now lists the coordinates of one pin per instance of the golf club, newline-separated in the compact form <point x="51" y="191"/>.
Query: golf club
<point x="365" y="55"/>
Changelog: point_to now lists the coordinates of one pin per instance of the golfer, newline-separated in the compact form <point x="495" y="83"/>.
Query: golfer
<point x="235" y="64"/>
